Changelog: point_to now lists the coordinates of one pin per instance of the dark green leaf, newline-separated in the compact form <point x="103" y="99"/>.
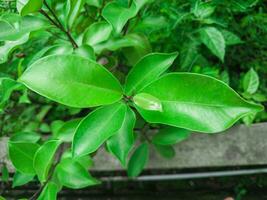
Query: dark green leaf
<point x="44" y="158"/>
<point x="21" y="155"/>
<point x="170" y="135"/>
<point x="73" y="81"/>
<point x="166" y="151"/>
<point x="73" y="175"/>
<point x="4" y="173"/>
<point x="138" y="160"/>
<point x="20" y="179"/>
<point x="122" y="142"/>
<point x="97" y="127"/>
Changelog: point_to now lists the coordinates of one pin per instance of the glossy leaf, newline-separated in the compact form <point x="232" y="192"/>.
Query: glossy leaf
<point x="10" y="46"/>
<point x="147" y="70"/>
<point x="97" y="33"/>
<point x="97" y="127"/>
<point x="66" y="132"/>
<point x="203" y="9"/>
<point x="4" y="173"/>
<point x="20" y="179"/>
<point x="85" y="51"/>
<point x="75" y="7"/>
<point x="147" y="102"/>
<point x="25" y="137"/>
<point x="138" y="160"/>
<point x="214" y="40"/>
<point x="26" y="7"/>
<point x="197" y="102"/>
<point x="117" y="15"/>
<point x="251" y="81"/>
<point x="73" y="81"/>
<point x="13" y="26"/>
<point x="73" y="175"/>
<point x="122" y="142"/>
<point x="49" y="192"/>
<point x="44" y="158"/>
<point x="21" y="155"/>
<point x="170" y="135"/>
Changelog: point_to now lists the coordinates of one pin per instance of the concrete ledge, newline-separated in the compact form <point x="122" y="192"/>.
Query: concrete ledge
<point x="239" y="146"/>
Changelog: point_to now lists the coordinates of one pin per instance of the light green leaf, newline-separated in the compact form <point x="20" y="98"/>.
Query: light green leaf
<point x="85" y="161"/>
<point x="20" y="179"/>
<point x="73" y="81"/>
<point x="49" y="192"/>
<point x="118" y="15"/>
<point x="121" y="143"/>
<point x="85" y="51"/>
<point x="59" y="49"/>
<point x="26" y="7"/>
<point x="147" y="102"/>
<point x="251" y="81"/>
<point x="166" y="151"/>
<point x="214" y="40"/>
<point x="138" y="160"/>
<point x="44" y="158"/>
<point x="25" y="137"/>
<point x="9" y="46"/>
<point x="96" y="3"/>
<point x="203" y="9"/>
<point x="170" y="135"/>
<point x="147" y="70"/>
<point x="97" y="33"/>
<point x="196" y="102"/>
<point x="74" y="11"/>
<point x="21" y="155"/>
<point x="73" y="175"/>
<point x="13" y="26"/>
<point x="97" y="127"/>
<point x="66" y="132"/>
<point x="231" y="38"/>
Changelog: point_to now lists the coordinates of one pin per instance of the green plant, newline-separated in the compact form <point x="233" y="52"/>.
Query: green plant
<point x="90" y="57"/>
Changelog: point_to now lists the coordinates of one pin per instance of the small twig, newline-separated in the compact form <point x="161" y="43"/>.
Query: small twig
<point x="58" y="24"/>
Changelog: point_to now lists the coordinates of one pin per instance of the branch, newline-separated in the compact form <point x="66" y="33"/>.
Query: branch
<point x="58" y="24"/>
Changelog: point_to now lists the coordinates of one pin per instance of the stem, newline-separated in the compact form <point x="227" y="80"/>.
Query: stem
<point x="58" y="24"/>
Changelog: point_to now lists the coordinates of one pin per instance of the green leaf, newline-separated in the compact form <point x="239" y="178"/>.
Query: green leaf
<point x="118" y="15"/>
<point x="13" y="26"/>
<point x="214" y="40"/>
<point x="21" y="155"/>
<point x="25" y="137"/>
<point x="203" y="9"/>
<point x="97" y="127"/>
<point x="66" y="132"/>
<point x="121" y="143"/>
<point x="196" y="102"/>
<point x="147" y="102"/>
<point x="147" y="70"/>
<point x="4" y="173"/>
<point x="251" y="81"/>
<point x="26" y="7"/>
<point x="75" y="7"/>
<point x="85" y="51"/>
<point x="20" y="179"/>
<point x="85" y="161"/>
<point x="10" y="46"/>
<point x="73" y="81"/>
<point x="59" y="49"/>
<point x="170" y="135"/>
<point x="73" y="175"/>
<point x="138" y="160"/>
<point x="231" y="38"/>
<point x="166" y="151"/>
<point x="97" y="33"/>
<point x="44" y="158"/>
<point x="49" y="192"/>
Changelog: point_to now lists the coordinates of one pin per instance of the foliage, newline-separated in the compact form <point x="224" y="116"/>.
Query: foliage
<point x="83" y="74"/>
